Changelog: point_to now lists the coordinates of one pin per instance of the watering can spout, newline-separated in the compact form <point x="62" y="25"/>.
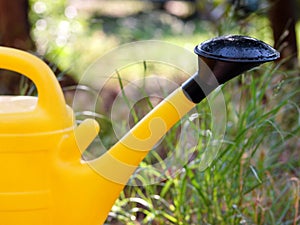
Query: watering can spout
<point x="129" y="151"/>
<point x="220" y="60"/>
<point x="115" y="167"/>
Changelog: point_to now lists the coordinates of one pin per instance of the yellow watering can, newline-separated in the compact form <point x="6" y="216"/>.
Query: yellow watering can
<point x="44" y="180"/>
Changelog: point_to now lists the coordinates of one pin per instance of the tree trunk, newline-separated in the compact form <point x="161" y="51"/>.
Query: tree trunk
<point x="14" y="25"/>
<point x="15" y="32"/>
<point x="282" y="16"/>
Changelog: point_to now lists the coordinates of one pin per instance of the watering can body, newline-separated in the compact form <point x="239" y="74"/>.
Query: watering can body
<point x="43" y="179"/>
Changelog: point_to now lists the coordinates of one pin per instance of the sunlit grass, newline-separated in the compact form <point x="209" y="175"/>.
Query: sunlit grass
<point x="247" y="183"/>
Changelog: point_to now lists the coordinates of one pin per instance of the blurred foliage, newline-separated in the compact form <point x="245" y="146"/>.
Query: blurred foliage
<point x="74" y="33"/>
<point x="56" y="30"/>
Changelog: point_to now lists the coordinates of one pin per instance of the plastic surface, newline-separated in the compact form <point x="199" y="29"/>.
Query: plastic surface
<point x="228" y="56"/>
<point x="15" y="104"/>
<point x="237" y="48"/>
<point x="39" y="148"/>
<point x="134" y="146"/>
<point x="50" y="112"/>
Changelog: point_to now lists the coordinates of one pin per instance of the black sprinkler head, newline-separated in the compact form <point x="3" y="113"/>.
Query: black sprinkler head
<point x="222" y="58"/>
<point x="237" y="49"/>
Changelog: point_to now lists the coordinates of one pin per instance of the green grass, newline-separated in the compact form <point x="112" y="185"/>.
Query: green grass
<point x="249" y="182"/>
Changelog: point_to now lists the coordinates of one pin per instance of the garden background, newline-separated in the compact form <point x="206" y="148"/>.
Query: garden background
<point x="254" y="178"/>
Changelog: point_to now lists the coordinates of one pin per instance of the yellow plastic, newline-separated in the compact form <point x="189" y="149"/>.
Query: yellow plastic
<point x="43" y="179"/>
<point x="37" y="149"/>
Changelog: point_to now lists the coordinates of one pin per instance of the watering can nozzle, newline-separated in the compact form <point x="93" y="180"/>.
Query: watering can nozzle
<point x="223" y="58"/>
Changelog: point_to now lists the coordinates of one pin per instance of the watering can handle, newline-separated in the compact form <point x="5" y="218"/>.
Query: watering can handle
<point x="50" y="96"/>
